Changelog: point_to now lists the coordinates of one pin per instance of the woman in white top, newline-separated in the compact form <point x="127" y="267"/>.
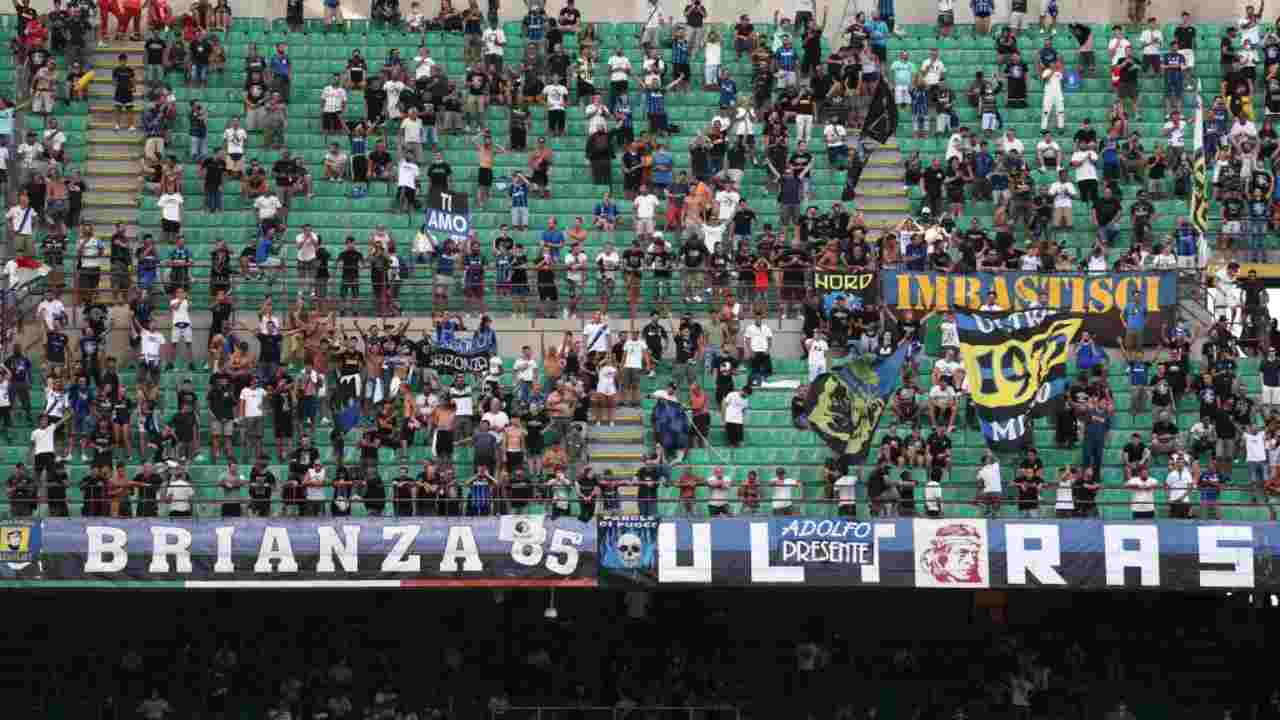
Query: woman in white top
<point x="606" y="400"/>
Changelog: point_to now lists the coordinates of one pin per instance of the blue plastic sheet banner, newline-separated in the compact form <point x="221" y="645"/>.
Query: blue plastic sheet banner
<point x="506" y="551"/>
<point x="961" y="553"/>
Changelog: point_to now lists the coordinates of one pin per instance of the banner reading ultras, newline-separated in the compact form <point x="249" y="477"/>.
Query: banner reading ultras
<point x="1017" y="369"/>
<point x="406" y="552"/>
<point x="1099" y="299"/>
<point x="961" y="553"/>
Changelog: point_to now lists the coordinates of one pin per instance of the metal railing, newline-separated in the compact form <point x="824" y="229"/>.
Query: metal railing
<point x="500" y="500"/>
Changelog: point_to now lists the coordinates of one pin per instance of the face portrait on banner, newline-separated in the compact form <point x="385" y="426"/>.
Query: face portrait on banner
<point x="951" y="553"/>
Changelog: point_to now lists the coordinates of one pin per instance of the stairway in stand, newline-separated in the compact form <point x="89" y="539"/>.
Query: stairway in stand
<point x="881" y="194"/>
<point x="114" y="164"/>
<point x="620" y="449"/>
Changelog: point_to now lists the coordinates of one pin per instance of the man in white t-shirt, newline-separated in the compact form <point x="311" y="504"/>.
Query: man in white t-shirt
<point x="150" y="350"/>
<point x="1063" y="193"/>
<point x="816" y="349"/>
<point x="734" y="409"/>
<point x="1179" y="483"/>
<point x="179" y="494"/>
<point x="576" y="262"/>
<point x="645" y="204"/>
<point x="727" y="203"/>
<point x="1085" y="161"/>
<point x="43" y="446"/>
<point x="525" y="370"/>
<point x="1174" y="131"/>
<point x="268" y="206"/>
<point x="407" y="182"/>
<point x="942" y="405"/>
<point x="784" y="493"/>
<point x="1142" y="503"/>
<point x="494" y="40"/>
<point x="307" y="242"/>
<point x="990" y="484"/>
<point x="252" y="400"/>
<point x="721" y="488"/>
<point x="595" y="335"/>
<point x="759" y="339"/>
<point x="180" y="309"/>
<point x="234" y="139"/>
<point x="847" y="495"/>
<point x="607" y="263"/>
<point x="1119" y="45"/>
<point x="22" y="221"/>
<point x="633" y="350"/>
<point x="556" y="93"/>
<point x="51" y="310"/>
<point x="619" y="72"/>
<point x="496" y="417"/>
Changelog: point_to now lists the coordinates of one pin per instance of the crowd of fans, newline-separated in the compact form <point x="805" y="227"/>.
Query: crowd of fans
<point x="703" y="249"/>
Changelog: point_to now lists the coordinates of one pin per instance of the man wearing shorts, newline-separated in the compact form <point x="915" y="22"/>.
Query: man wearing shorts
<point x="519" y="202"/>
<point x="633" y="349"/>
<point x="235" y="138"/>
<point x="222" y="415"/>
<point x="122" y="77"/>
<point x="252" y="400"/>
<point x="22" y="221"/>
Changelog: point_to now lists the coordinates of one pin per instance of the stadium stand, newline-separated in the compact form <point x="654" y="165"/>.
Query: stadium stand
<point x="885" y="184"/>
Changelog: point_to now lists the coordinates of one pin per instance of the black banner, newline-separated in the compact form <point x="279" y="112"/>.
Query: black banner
<point x="862" y="289"/>
<point x="1016" y="364"/>
<point x="447" y="360"/>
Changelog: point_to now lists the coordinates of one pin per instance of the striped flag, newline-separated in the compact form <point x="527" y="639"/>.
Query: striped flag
<point x="1199" y="184"/>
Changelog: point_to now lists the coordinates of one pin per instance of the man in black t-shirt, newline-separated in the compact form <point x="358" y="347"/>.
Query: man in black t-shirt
<point x="201" y="49"/>
<point x="693" y="255"/>
<point x="350" y="260"/>
<point x="438" y="173"/>
<point x="213" y="168"/>
<point x="1105" y="214"/>
<point x="931" y="185"/>
<point x="122" y="78"/>
<point x="1030" y="478"/>
<point x="154" y="49"/>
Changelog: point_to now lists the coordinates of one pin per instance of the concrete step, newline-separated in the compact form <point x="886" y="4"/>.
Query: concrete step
<point x="113" y="168"/>
<point x="110" y="215"/>
<point x="620" y="434"/>
<point x="115" y="184"/>
<point x="612" y="452"/>
<point x="109" y="136"/>
<point x="874" y="201"/>
<point x="123" y="154"/>
<point x="894" y="174"/>
<point x="100" y="198"/>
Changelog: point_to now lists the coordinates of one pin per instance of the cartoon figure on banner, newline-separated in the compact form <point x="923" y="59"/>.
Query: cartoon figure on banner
<point x="951" y="553"/>
<point x="628" y="544"/>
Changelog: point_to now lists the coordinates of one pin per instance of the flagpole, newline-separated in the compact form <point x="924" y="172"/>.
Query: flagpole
<point x="1198" y="208"/>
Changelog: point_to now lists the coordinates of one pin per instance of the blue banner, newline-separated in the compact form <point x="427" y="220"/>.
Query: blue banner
<point x="506" y="550"/>
<point x="962" y="553"/>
